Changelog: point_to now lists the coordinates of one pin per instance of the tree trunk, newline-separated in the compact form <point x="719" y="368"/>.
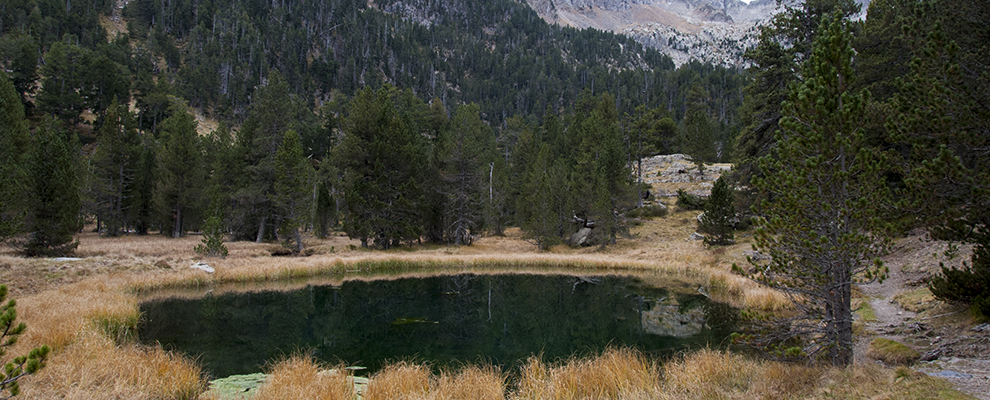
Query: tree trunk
<point x="299" y="244"/>
<point x="261" y="230"/>
<point x="177" y="226"/>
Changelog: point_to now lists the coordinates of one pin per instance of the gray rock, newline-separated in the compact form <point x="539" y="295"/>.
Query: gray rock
<point x="950" y="374"/>
<point x="203" y="267"/>
<point x="580" y="238"/>
<point x="696" y="236"/>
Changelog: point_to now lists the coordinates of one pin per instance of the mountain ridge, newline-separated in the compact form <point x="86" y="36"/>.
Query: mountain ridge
<point x="710" y="31"/>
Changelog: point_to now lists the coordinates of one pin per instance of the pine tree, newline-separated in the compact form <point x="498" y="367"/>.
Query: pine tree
<point x="180" y="178"/>
<point x="822" y="226"/>
<point x="293" y="175"/>
<point x="717" y="221"/>
<point x="20" y="366"/>
<point x="384" y="161"/>
<point x="55" y="211"/>
<point x="213" y="229"/>
<point x="61" y="93"/>
<point x="540" y="193"/>
<point x="15" y="146"/>
<point x="784" y="45"/>
<point x="271" y="115"/>
<point x="940" y="113"/>
<point x="698" y="135"/>
<point x="115" y="164"/>
<point x="470" y="140"/>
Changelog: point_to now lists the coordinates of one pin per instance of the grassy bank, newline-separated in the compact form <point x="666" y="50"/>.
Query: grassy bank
<point x="87" y="310"/>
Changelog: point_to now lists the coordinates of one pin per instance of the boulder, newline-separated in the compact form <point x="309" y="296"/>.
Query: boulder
<point x="580" y="238"/>
<point x="696" y="236"/>
<point x="203" y="267"/>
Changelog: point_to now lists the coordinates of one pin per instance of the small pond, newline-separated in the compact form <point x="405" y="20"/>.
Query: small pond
<point x="444" y="320"/>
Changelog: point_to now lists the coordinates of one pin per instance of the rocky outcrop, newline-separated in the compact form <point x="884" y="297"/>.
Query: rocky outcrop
<point x="711" y="31"/>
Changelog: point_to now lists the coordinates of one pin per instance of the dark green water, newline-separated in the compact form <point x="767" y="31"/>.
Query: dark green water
<point x="499" y="319"/>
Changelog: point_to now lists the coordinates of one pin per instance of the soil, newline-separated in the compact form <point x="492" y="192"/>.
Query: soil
<point x="952" y="345"/>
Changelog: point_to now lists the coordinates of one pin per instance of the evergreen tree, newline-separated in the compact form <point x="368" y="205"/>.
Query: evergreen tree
<point x="648" y="132"/>
<point x="15" y="146"/>
<point x="271" y="115"/>
<point x="293" y="175"/>
<point x="471" y="142"/>
<point x="941" y="114"/>
<point x="784" y="45"/>
<point x="21" y="366"/>
<point x="55" y="208"/>
<point x="384" y="160"/>
<point x="115" y="164"/>
<point x="698" y="137"/>
<point x="62" y="87"/>
<point x="822" y="226"/>
<point x="542" y="193"/>
<point x="179" y="178"/>
<point x="23" y="62"/>
<point x="221" y="166"/>
<point x="717" y="221"/>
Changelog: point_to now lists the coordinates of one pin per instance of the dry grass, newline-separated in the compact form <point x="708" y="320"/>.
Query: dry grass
<point x="400" y="381"/>
<point x="94" y="367"/>
<point x="615" y="374"/>
<point x="411" y="381"/>
<point x="709" y="374"/>
<point x="299" y="377"/>
<point x="870" y="381"/>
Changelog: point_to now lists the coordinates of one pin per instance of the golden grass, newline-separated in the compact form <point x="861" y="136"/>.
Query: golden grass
<point x="300" y="377"/>
<point x="710" y="374"/>
<point x="94" y="367"/>
<point x="399" y="381"/>
<point x="615" y="374"/>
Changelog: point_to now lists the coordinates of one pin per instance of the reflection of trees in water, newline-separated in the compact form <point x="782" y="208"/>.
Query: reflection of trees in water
<point x="464" y="318"/>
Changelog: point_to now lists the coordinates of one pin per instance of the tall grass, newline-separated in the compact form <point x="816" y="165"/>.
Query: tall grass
<point x="615" y="374"/>
<point x="300" y="377"/>
<point x="710" y="374"/>
<point x="94" y="367"/>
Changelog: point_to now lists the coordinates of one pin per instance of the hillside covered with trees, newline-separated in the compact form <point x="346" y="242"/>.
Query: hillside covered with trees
<point x="459" y="99"/>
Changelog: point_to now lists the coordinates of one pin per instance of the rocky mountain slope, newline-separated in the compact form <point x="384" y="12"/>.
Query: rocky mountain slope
<point x="710" y="31"/>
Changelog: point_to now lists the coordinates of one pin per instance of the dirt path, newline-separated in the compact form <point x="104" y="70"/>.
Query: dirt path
<point x="963" y="360"/>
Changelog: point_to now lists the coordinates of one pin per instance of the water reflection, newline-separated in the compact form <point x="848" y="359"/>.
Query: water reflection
<point x="500" y="319"/>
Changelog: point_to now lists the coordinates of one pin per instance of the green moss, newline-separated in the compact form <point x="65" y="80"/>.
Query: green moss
<point x="918" y="300"/>
<point x="236" y="387"/>
<point x="866" y="312"/>
<point x="892" y="352"/>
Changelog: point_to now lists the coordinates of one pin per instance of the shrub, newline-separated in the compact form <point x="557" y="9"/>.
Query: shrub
<point x="689" y="201"/>
<point x="653" y="211"/>
<point x="213" y="234"/>
<point x="719" y="217"/>
<point x="969" y="285"/>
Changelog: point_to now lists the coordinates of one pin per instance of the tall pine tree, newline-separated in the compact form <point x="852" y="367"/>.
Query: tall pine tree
<point x="821" y="226"/>
<point x="115" y="164"/>
<point x="180" y="176"/>
<point x="55" y="206"/>
<point x="15" y="147"/>
<point x="293" y="189"/>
